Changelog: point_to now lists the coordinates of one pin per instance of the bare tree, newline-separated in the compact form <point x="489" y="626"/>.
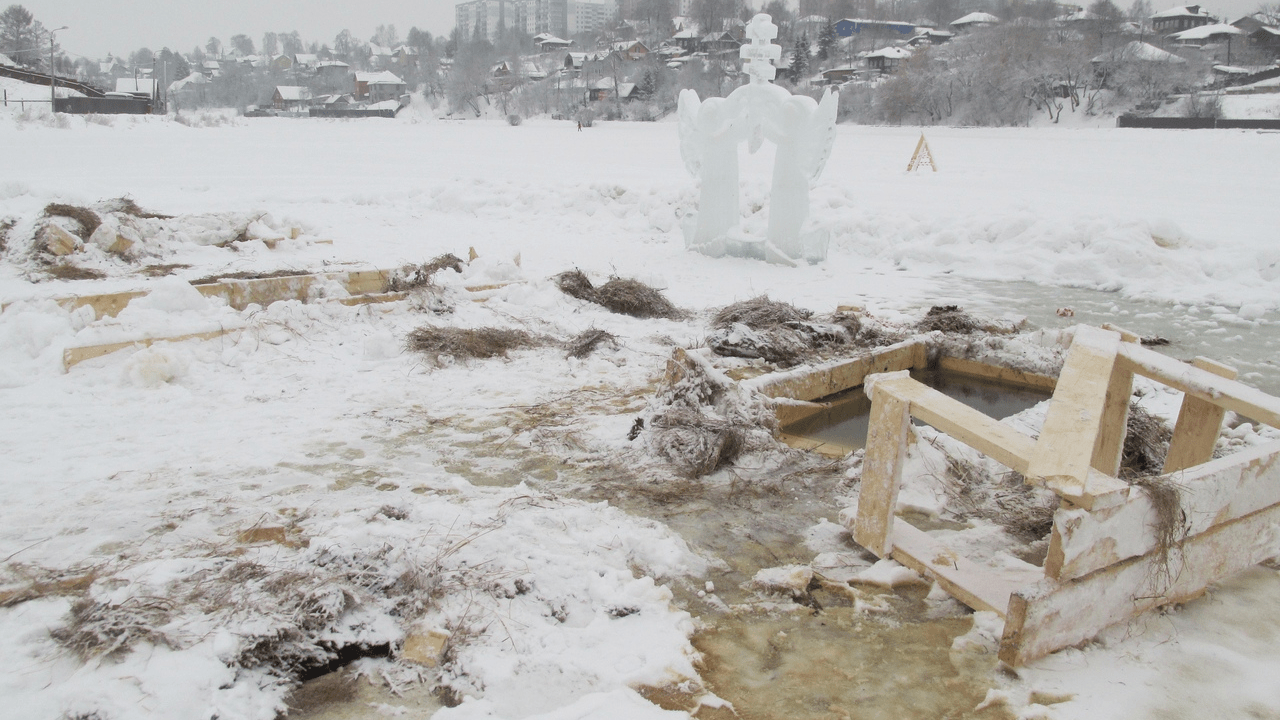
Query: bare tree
<point x="242" y="44"/>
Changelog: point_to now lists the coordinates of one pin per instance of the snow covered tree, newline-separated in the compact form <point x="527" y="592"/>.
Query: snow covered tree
<point x="826" y="41"/>
<point x="213" y="47"/>
<point x="800" y="59"/>
<point x="385" y="36"/>
<point x="20" y="36"/>
<point x="270" y="44"/>
<point x="343" y="44"/>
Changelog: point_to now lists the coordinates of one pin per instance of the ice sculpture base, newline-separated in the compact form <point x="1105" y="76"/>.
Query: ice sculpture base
<point x="814" y="241"/>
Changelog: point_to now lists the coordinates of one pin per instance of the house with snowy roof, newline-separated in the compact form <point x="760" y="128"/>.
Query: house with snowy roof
<point x="1267" y="39"/>
<point x="1133" y="53"/>
<point x="291" y="97"/>
<point x="1252" y="22"/>
<point x="929" y="36"/>
<point x="719" y="42"/>
<point x="686" y="40"/>
<point x="332" y="69"/>
<point x="837" y="75"/>
<point x="886" y="59"/>
<point x="973" y="21"/>
<point x="112" y="68"/>
<point x="548" y="42"/>
<point x="144" y="88"/>
<point x="629" y="49"/>
<point x="1176" y="19"/>
<point x="1207" y="35"/>
<point x="379" y="86"/>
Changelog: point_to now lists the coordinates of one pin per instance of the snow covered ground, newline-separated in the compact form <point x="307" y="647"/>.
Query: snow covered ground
<point x="222" y="499"/>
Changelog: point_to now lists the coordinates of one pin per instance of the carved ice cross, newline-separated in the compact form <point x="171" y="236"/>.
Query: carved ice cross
<point x="759" y="53"/>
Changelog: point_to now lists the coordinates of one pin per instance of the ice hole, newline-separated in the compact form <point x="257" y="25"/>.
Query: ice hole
<point x="842" y="422"/>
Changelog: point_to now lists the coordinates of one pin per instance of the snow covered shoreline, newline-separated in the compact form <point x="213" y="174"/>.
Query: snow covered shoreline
<point x="150" y="466"/>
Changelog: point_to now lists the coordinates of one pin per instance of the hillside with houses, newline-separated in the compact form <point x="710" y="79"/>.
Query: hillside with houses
<point x="986" y="63"/>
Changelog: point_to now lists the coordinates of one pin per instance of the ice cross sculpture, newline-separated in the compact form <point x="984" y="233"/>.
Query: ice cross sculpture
<point x="710" y="131"/>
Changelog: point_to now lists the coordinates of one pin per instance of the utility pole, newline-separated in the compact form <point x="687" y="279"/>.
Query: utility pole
<point x="53" y="75"/>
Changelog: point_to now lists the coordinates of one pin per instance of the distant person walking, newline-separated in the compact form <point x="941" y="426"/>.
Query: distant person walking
<point x="579" y="126"/>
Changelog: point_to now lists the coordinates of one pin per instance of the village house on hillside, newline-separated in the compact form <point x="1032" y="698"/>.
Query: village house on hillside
<point x="1180" y="18"/>
<point x="291" y="98"/>
<point x="379" y="86"/>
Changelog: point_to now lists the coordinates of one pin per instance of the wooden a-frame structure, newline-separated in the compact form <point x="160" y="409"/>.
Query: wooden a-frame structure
<point x="1105" y="563"/>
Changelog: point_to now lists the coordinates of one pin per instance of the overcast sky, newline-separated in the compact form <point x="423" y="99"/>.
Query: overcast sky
<point x="97" y="27"/>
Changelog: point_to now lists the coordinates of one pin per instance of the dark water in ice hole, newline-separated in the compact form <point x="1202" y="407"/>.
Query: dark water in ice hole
<point x="845" y="421"/>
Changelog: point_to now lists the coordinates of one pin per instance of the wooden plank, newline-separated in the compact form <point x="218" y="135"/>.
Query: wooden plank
<point x="1005" y="375"/>
<point x="1212" y="493"/>
<point x="240" y="294"/>
<point x="1064" y="452"/>
<point x="882" y="473"/>
<point x="73" y="356"/>
<point x="978" y="587"/>
<point x="979" y="431"/>
<point x="811" y="383"/>
<point x="1053" y="615"/>
<point x="789" y="411"/>
<point x="107" y="305"/>
<point x="372" y="298"/>
<point x="1108" y="447"/>
<point x="365" y="282"/>
<point x="1125" y="335"/>
<point x="1199" y="423"/>
<point x="1230" y="394"/>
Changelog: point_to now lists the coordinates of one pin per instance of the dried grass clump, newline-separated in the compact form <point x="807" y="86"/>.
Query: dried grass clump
<point x="469" y="343"/>
<point x="5" y="226"/>
<point x="575" y="283"/>
<point x="697" y="442"/>
<point x="703" y="420"/>
<point x="87" y="219"/>
<point x="247" y="275"/>
<point x="97" y="629"/>
<point x="1146" y="443"/>
<point x="759" y="313"/>
<point x="1171" y="524"/>
<point x="63" y="270"/>
<point x="413" y="277"/>
<point x="586" y="342"/>
<point x="632" y="297"/>
<point x="777" y="332"/>
<point x="1005" y="499"/>
<point x="127" y="206"/>
<point x="623" y="296"/>
<point x="948" y="319"/>
<point x="162" y="270"/>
